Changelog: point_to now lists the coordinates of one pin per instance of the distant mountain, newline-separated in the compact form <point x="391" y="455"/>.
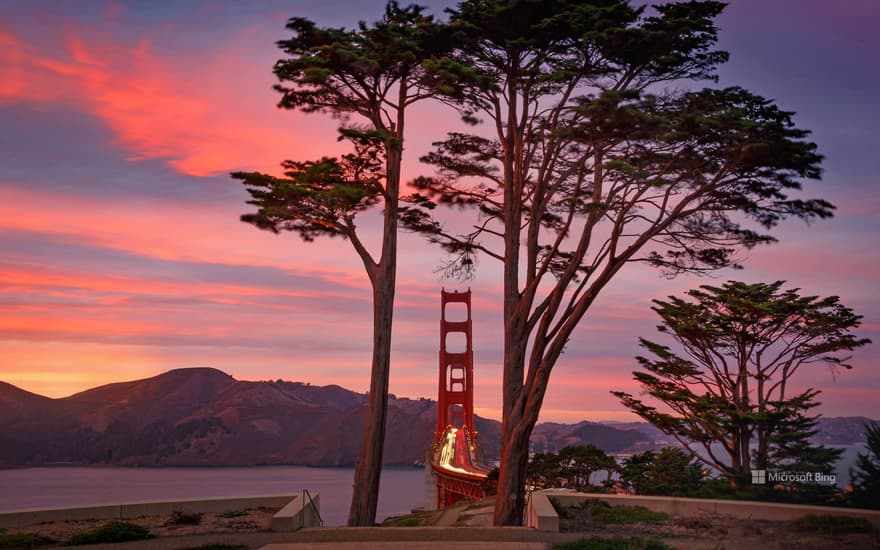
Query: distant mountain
<point x="550" y="436"/>
<point x="843" y="430"/>
<point x="202" y="416"/>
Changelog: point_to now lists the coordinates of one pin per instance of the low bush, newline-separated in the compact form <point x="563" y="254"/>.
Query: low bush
<point x="180" y="517"/>
<point x="234" y="514"/>
<point x="23" y="540"/>
<point x="603" y="513"/>
<point x="115" y="531"/>
<point x="417" y="519"/>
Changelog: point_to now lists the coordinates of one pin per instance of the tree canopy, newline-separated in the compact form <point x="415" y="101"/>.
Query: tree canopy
<point x="367" y="78"/>
<point x="866" y="476"/>
<point x="728" y="381"/>
<point x="598" y="151"/>
<point x="572" y="466"/>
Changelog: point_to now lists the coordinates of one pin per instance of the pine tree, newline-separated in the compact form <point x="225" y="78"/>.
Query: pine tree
<point x="866" y="477"/>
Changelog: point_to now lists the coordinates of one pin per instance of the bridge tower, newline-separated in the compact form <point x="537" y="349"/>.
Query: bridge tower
<point x="453" y="473"/>
<point x="455" y="406"/>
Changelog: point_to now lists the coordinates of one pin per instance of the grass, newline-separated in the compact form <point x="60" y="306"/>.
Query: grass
<point x="604" y="513"/>
<point x="23" y="540"/>
<point x="832" y="525"/>
<point x="475" y="505"/>
<point x="417" y="519"/>
<point x="115" y="531"/>
<point x="234" y="514"/>
<point x="617" y="543"/>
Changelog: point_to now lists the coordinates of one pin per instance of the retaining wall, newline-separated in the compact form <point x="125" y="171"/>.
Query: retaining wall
<point x="20" y="518"/>
<point x="541" y="515"/>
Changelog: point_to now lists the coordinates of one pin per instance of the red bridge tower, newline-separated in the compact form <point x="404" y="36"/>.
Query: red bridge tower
<point x="453" y="473"/>
<point x="455" y="403"/>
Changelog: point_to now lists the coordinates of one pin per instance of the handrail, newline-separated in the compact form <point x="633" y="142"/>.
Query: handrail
<point x="314" y="509"/>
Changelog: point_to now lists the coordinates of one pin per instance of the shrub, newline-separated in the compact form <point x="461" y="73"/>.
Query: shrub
<point x="603" y="513"/>
<point x="234" y="514"/>
<point x="115" y="531"/>
<point x="180" y="517"/>
<point x="417" y="519"/>
<point x="23" y="540"/>
<point x="866" y="477"/>
<point x="669" y="472"/>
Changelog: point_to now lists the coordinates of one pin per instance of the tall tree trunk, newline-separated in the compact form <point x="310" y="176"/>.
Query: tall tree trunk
<point x="510" y="499"/>
<point x="365" y="493"/>
<point x="367" y="472"/>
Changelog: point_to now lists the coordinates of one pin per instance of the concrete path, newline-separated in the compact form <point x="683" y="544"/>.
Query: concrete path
<point x="364" y="538"/>
<point x="410" y="545"/>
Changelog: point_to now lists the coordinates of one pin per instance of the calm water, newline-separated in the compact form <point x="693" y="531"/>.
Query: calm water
<point x="401" y="490"/>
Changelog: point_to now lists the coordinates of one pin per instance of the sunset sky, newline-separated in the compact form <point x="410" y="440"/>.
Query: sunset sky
<point x="122" y="256"/>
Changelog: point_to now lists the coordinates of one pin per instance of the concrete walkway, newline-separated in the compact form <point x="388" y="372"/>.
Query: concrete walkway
<point x="410" y="545"/>
<point x="364" y="538"/>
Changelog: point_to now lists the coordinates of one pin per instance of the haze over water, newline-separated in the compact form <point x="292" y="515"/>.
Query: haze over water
<point x="402" y="488"/>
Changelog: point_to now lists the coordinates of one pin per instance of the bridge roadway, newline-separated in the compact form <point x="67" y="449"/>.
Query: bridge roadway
<point x="455" y="467"/>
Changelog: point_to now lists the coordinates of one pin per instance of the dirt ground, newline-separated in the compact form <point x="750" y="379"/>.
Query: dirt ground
<point x="255" y="520"/>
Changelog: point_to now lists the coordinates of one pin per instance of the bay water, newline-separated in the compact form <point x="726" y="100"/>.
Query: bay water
<point x="402" y="489"/>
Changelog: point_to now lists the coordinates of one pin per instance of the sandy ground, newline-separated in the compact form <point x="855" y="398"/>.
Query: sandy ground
<point x="255" y="520"/>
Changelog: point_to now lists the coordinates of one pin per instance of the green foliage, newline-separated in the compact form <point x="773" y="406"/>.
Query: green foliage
<point x="616" y="543"/>
<point x="571" y="467"/>
<point x="181" y="517"/>
<point x="490" y="482"/>
<point x="23" y="540"/>
<point x="866" y="476"/>
<point x="669" y="472"/>
<point x="603" y="152"/>
<point x="604" y="513"/>
<point x="115" y="531"/>
<point x="367" y="78"/>
<point x="741" y="345"/>
<point x="833" y="524"/>
<point x="416" y="519"/>
<point x="234" y="514"/>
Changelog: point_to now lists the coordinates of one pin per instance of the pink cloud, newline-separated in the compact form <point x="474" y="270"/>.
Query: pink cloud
<point x="205" y="113"/>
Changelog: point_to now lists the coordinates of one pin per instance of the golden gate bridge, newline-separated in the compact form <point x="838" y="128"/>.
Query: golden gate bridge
<point x="454" y="472"/>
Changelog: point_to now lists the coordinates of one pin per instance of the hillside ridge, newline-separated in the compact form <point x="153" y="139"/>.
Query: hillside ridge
<point x="205" y="417"/>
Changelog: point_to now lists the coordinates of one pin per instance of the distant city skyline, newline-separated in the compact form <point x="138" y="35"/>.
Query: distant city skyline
<point x="121" y="253"/>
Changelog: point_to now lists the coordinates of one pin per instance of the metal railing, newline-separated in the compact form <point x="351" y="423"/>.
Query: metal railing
<point x="311" y="504"/>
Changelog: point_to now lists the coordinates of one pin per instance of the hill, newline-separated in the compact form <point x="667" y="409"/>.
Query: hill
<point x="204" y="417"/>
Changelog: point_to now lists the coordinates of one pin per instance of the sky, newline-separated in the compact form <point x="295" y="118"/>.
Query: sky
<point x="122" y="255"/>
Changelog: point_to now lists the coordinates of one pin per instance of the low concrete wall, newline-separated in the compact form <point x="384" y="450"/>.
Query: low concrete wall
<point x="20" y="518"/>
<point x="541" y="515"/>
<point x="297" y="514"/>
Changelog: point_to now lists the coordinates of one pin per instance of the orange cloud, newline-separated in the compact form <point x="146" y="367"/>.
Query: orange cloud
<point x="204" y="112"/>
